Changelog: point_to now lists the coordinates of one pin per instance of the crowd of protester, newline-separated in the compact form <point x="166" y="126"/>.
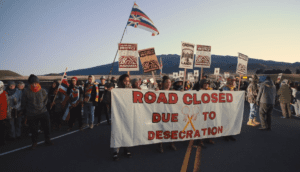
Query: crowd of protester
<point x="45" y="111"/>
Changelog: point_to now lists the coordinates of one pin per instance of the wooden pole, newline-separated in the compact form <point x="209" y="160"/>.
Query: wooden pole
<point x="112" y="65"/>
<point x="239" y="82"/>
<point x="128" y="72"/>
<point x="153" y="78"/>
<point x="201" y="72"/>
<point x="58" y="86"/>
<point x="184" y="79"/>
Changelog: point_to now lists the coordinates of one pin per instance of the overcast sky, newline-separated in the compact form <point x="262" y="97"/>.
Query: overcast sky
<point x="42" y="37"/>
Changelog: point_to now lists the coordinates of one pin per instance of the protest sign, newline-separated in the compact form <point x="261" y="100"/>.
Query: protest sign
<point x="149" y="60"/>
<point x="190" y="74"/>
<point x="181" y="73"/>
<point x="196" y="73"/>
<point x="226" y="75"/>
<point x="175" y="74"/>
<point x="203" y="56"/>
<point x="141" y="117"/>
<point x="128" y="57"/>
<point x="217" y="71"/>
<point x="242" y="64"/>
<point x="279" y="77"/>
<point x="187" y="55"/>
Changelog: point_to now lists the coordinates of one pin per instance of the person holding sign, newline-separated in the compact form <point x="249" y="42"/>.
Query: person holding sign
<point x="230" y="86"/>
<point x="166" y="85"/>
<point x="124" y="82"/>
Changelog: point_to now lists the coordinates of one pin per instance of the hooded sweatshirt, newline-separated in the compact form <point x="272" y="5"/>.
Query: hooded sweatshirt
<point x="267" y="92"/>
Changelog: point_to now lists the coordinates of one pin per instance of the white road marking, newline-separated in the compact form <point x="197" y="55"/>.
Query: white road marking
<point x="43" y="141"/>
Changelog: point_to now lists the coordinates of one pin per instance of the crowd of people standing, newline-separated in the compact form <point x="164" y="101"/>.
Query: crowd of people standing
<point x="46" y="111"/>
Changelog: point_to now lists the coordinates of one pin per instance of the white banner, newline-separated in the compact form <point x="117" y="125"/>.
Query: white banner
<point x="203" y="56"/>
<point x="196" y="73"/>
<point x="141" y="117"/>
<point x="242" y="64"/>
<point x="217" y="71"/>
<point x="181" y="73"/>
<point x="128" y="57"/>
<point x="187" y="55"/>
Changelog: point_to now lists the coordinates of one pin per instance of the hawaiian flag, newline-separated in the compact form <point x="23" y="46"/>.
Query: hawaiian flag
<point x="139" y="19"/>
<point x="64" y="85"/>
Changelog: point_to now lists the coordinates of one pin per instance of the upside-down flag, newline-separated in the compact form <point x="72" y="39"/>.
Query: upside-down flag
<point x="139" y="19"/>
<point x="64" y="85"/>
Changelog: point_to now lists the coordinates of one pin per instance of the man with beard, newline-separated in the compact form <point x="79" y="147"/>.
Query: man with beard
<point x="34" y="101"/>
<point x="252" y="94"/>
<point x="14" y="96"/>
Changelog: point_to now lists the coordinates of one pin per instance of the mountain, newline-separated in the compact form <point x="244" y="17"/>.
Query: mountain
<point x="4" y="73"/>
<point x="171" y="63"/>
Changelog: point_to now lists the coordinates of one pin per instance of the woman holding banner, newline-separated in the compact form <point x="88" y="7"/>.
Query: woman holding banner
<point x="124" y="82"/>
<point x="166" y="85"/>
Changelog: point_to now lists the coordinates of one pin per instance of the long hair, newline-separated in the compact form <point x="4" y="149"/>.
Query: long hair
<point x="121" y="79"/>
<point x="165" y="78"/>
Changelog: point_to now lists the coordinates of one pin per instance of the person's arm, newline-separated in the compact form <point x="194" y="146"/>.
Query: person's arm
<point x="24" y="101"/>
<point x="259" y="93"/>
<point x="45" y="97"/>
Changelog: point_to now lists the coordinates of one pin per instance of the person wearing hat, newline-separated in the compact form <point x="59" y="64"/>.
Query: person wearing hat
<point x="14" y="96"/>
<point x="101" y="108"/>
<point x="34" y="101"/>
<point x="252" y="91"/>
<point x="91" y="99"/>
<point x="178" y="84"/>
<point x="4" y="112"/>
<point x="73" y="101"/>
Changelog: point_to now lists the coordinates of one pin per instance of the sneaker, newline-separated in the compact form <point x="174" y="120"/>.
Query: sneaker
<point x="128" y="154"/>
<point x="91" y="126"/>
<point x="115" y="156"/>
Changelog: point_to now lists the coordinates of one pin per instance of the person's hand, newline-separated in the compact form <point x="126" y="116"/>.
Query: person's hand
<point x="156" y="89"/>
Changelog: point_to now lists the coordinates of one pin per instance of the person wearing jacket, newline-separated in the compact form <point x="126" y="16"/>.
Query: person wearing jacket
<point x="72" y="101"/>
<point x="252" y="94"/>
<point x="14" y="96"/>
<point x="266" y="101"/>
<point x="297" y="102"/>
<point x="34" y="101"/>
<point x="285" y="98"/>
<point x="4" y="112"/>
<point x="91" y="98"/>
<point x="124" y="82"/>
<point x="51" y="95"/>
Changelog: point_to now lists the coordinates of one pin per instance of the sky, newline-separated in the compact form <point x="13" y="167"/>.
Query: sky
<point x="42" y="37"/>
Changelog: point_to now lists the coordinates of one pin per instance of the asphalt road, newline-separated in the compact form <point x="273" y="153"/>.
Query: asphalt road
<point x="89" y="150"/>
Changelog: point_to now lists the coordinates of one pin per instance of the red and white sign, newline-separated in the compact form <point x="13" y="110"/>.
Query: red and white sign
<point x="128" y="57"/>
<point x="203" y="56"/>
<point x="242" y="64"/>
<point x="141" y="117"/>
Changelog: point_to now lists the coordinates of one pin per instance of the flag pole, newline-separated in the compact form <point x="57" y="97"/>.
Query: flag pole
<point x="58" y="87"/>
<point x="112" y="65"/>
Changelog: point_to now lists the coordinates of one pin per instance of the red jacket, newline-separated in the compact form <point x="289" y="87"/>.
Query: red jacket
<point x="4" y="105"/>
